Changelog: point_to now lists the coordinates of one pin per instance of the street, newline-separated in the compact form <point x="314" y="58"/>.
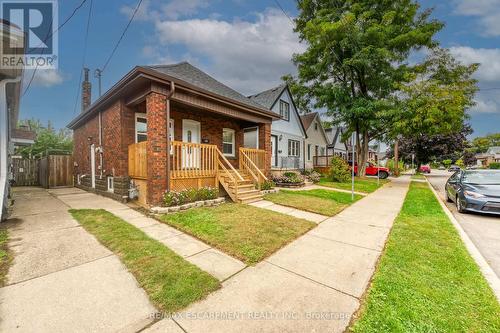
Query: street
<point x="483" y="230"/>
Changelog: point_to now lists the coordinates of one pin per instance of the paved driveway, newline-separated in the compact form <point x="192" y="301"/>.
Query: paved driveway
<point x="483" y="230"/>
<point x="62" y="279"/>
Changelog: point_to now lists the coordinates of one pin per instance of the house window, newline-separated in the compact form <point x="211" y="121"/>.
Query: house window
<point x="293" y="148"/>
<point x="309" y="152"/>
<point x="285" y="110"/>
<point x="228" y="141"/>
<point x="141" y="127"/>
<point x="322" y="149"/>
<point x="315" y="126"/>
<point x="111" y="184"/>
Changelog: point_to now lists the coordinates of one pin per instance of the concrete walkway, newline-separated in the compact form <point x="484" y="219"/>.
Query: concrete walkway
<point x="213" y="261"/>
<point x="313" y="217"/>
<point x="312" y="285"/>
<point x="62" y="279"/>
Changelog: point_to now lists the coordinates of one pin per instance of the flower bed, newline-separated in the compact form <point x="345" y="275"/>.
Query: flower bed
<point x="289" y="179"/>
<point x="201" y="203"/>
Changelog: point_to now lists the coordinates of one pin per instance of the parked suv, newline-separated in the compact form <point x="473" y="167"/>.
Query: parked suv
<point x="372" y="170"/>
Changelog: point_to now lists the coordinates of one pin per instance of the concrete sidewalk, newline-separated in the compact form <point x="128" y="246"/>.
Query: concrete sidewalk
<point x="62" y="279"/>
<point x="312" y="285"/>
<point x="301" y="214"/>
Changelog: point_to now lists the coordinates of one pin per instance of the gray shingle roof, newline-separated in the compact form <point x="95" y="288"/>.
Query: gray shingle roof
<point x="190" y="74"/>
<point x="494" y="150"/>
<point x="307" y="119"/>
<point x="268" y="97"/>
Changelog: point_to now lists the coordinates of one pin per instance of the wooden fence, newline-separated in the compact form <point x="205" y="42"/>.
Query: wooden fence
<point x="56" y="171"/>
<point x="25" y="171"/>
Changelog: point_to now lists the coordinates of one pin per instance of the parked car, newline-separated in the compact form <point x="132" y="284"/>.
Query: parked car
<point x="425" y="169"/>
<point x="475" y="191"/>
<point x="454" y="168"/>
<point x="372" y="170"/>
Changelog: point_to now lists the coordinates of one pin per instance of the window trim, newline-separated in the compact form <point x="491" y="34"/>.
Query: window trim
<point x="143" y="116"/>
<point x="290" y="141"/>
<point x="233" y="143"/>
<point x="287" y="118"/>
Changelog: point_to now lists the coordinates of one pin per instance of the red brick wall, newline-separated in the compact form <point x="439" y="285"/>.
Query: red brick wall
<point x="156" y="147"/>
<point x="81" y="150"/>
<point x="265" y="143"/>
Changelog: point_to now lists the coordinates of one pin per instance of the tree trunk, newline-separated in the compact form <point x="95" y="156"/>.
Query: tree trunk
<point x="362" y="150"/>
<point x="396" y="158"/>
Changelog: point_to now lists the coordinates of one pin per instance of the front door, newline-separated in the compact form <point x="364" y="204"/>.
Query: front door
<point x="191" y="133"/>
<point x="274" y="148"/>
<point x="251" y="137"/>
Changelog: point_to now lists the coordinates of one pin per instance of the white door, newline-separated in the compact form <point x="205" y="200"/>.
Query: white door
<point x="191" y="133"/>
<point x="92" y="163"/>
<point x="274" y="149"/>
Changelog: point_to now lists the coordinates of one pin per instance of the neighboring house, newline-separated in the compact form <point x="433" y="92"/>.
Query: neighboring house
<point x="491" y="155"/>
<point x="10" y="86"/>
<point x="336" y="146"/>
<point x="23" y="137"/>
<point x="287" y="132"/>
<point x="315" y="145"/>
<point x="169" y="128"/>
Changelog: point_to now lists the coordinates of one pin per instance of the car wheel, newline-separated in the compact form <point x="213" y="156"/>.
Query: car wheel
<point x="383" y="175"/>
<point x="448" y="197"/>
<point x="460" y="207"/>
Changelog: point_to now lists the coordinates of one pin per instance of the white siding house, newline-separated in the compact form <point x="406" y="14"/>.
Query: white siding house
<point x="336" y="146"/>
<point x="288" y="133"/>
<point x="316" y="142"/>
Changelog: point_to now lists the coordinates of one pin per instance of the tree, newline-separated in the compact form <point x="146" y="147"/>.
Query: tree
<point x="437" y="147"/>
<point x="481" y="144"/>
<point x="47" y="139"/>
<point x="356" y="57"/>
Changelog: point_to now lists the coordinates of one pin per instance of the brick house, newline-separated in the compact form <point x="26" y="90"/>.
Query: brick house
<point x="169" y="128"/>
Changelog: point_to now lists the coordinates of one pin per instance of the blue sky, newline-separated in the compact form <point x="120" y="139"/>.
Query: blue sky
<point x="245" y="44"/>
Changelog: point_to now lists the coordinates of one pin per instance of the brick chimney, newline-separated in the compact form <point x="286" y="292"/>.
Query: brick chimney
<point x="86" y="90"/>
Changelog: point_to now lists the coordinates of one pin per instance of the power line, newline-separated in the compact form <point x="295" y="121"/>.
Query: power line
<point x="50" y="35"/>
<point x="84" y="55"/>
<point x="122" y="35"/>
<point x="286" y="14"/>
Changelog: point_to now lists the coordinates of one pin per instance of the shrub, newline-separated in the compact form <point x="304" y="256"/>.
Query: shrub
<point x="314" y="177"/>
<point x="460" y="163"/>
<point x="339" y="170"/>
<point x="190" y="195"/>
<point x="289" y="177"/>
<point x="447" y="163"/>
<point x="495" y="165"/>
<point x="267" y="185"/>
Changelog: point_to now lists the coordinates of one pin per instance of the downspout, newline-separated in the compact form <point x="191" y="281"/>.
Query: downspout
<point x="4" y="144"/>
<point x="169" y="94"/>
<point x="100" y="145"/>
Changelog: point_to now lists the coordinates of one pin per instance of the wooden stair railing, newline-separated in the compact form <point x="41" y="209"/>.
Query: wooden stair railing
<point x="248" y="165"/>
<point x="231" y="173"/>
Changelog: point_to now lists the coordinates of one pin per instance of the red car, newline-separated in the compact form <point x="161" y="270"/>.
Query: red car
<point x="425" y="169"/>
<point x="373" y="170"/>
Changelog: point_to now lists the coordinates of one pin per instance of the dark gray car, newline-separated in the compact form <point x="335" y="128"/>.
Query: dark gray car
<point x="475" y="191"/>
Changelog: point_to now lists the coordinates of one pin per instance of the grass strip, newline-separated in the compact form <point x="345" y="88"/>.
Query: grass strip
<point x="171" y="282"/>
<point x="324" y="202"/>
<point x="426" y="280"/>
<point x="362" y="185"/>
<point x="5" y="255"/>
<point x="244" y="232"/>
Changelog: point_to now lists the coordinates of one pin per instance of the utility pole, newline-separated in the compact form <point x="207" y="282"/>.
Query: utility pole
<point x="98" y="75"/>
<point x="352" y="167"/>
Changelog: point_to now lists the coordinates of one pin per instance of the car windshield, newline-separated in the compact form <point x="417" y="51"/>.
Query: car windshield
<point x="481" y="177"/>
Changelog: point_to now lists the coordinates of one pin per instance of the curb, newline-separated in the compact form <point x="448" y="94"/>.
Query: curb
<point x="485" y="268"/>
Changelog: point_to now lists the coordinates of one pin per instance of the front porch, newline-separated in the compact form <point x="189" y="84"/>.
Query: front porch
<point x="198" y="148"/>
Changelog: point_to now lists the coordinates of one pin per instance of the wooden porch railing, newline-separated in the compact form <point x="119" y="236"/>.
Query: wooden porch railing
<point x="193" y="160"/>
<point x="137" y="160"/>
<point x="250" y="161"/>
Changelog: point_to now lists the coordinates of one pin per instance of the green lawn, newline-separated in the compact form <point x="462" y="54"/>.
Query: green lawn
<point x="245" y="232"/>
<point x="362" y="185"/>
<point x="418" y="176"/>
<point x="5" y="257"/>
<point x="323" y="202"/>
<point x="171" y="282"/>
<point x="426" y="281"/>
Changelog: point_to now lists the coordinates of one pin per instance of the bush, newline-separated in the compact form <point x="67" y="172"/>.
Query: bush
<point x="447" y="163"/>
<point x="190" y="195"/>
<point x="339" y="170"/>
<point x="267" y="185"/>
<point x="314" y="177"/>
<point x="289" y="177"/>
<point x="495" y="165"/>
<point x="460" y="163"/>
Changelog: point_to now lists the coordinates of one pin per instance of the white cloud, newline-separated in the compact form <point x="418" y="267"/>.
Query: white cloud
<point x="248" y="56"/>
<point x="152" y="10"/>
<point x="46" y="78"/>
<point x="487" y="11"/>
<point x="488" y="75"/>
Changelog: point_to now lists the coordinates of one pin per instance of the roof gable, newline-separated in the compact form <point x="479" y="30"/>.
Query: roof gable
<point x="269" y="97"/>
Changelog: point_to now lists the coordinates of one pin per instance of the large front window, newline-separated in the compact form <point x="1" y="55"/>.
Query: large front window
<point x="293" y="148"/>
<point x="228" y="142"/>
<point x="141" y="127"/>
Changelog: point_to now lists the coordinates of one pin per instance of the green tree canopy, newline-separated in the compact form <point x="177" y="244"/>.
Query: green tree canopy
<point x="482" y="143"/>
<point x="47" y="139"/>
<point x="357" y="57"/>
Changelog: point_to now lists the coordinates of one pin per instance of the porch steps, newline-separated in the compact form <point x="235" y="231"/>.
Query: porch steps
<point x="246" y="191"/>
